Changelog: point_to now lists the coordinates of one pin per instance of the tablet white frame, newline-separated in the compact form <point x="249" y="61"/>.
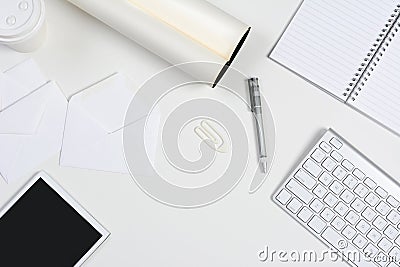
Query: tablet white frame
<point x="64" y="195"/>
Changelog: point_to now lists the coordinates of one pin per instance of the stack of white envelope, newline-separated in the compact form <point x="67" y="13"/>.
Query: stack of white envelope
<point x="37" y="122"/>
<point x="32" y="116"/>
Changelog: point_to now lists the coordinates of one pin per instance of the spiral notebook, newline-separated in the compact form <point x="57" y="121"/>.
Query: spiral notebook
<point x="351" y="50"/>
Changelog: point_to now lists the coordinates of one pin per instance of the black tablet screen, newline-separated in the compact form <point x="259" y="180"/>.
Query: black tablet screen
<point x="41" y="229"/>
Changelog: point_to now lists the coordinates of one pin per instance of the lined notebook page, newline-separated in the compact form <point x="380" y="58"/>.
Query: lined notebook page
<point x="327" y="40"/>
<point x="380" y="97"/>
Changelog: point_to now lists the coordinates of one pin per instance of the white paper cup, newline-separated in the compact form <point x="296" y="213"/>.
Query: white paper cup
<point x="22" y="24"/>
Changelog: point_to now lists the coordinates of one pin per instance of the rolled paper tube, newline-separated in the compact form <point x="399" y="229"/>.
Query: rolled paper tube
<point x="179" y="31"/>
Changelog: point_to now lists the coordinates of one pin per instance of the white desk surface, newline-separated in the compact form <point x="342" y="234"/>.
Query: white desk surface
<point x="80" y="50"/>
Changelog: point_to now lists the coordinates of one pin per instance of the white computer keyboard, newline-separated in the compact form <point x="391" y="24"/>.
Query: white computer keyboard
<point x="345" y="201"/>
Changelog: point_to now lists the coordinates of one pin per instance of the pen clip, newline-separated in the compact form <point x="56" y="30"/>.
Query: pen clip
<point x="253" y="87"/>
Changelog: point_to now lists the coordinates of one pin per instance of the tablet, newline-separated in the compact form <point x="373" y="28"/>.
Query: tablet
<point x="44" y="226"/>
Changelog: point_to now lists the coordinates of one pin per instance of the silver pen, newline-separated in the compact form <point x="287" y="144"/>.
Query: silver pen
<point x="255" y="102"/>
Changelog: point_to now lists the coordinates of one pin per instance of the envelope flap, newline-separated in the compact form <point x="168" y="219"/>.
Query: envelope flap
<point x="20" y="81"/>
<point x="24" y="116"/>
<point x="10" y="92"/>
<point x="108" y="101"/>
<point x="27" y="74"/>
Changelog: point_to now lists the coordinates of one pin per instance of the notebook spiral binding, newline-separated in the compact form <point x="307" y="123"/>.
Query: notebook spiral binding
<point x="374" y="55"/>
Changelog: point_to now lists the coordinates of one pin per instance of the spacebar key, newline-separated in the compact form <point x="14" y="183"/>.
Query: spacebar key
<point x="346" y="249"/>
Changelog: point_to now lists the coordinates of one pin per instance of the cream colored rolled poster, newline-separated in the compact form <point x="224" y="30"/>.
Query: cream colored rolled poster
<point x="178" y="31"/>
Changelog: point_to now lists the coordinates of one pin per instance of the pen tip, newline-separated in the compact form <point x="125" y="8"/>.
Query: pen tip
<point x="264" y="167"/>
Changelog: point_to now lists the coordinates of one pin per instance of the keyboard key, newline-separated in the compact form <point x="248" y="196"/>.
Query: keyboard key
<point x="374" y="235"/>
<point x="347" y="196"/>
<point x="339" y="173"/>
<point x="395" y="253"/>
<point x="385" y="244"/>
<point x="393" y="201"/>
<point x="381" y="259"/>
<point x="379" y="223"/>
<point x="359" y="174"/>
<point x="325" y="147"/>
<point x="341" y="209"/>
<point x="350" y="181"/>
<point x="361" y="190"/>
<point x="335" y="239"/>
<point x="372" y="199"/>
<point x="336" y="143"/>
<point x="283" y="197"/>
<point x="330" y="200"/>
<point x="360" y="241"/>
<point x="397" y="241"/>
<point x="312" y="168"/>
<point x="320" y="191"/>
<point x="381" y="192"/>
<point x="338" y="223"/>
<point x="370" y="183"/>
<point x="327" y="214"/>
<point x="336" y="156"/>
<point x="349" y="232"/>
<point x="316" y="205"/>
<point x="299" y="191"/>
<point x="325" y="179"/>
<point x="370" y="251"/>
<point x="347" y="165"/>
<point x="318" y="155"/>
<point x="294" y="205"/>
<point x="329" y="164"/>
<point x="352" y="217"/>
<point x="393" y="217"/>
<point x="305" y="214"/>
<point x="363" y="226"/>
<point x="391" y="232"/>
<point x="336" y="187"/>
<point x="357" y="205"/>
<point x="383" y="208"/>
<point x="305" y="179"/>
<point x="369" y="214"/>
<point x="317" y="224"/>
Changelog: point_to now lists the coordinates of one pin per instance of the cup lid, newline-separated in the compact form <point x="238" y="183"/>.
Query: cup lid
<point x="19" y="18"/>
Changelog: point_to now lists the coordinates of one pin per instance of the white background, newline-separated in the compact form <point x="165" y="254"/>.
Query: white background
<point x="80" y="50"/>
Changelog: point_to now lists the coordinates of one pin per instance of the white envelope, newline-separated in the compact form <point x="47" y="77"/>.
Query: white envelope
<point x="93" y="136"/>
<point x="31" y="120"/>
